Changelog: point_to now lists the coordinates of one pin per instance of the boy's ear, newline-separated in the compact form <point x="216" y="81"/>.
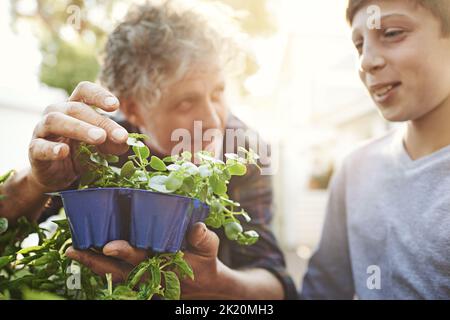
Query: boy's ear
<point x="130" y="109"/>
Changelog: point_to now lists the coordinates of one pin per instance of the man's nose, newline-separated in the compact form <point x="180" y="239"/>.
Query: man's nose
<point x="210" y="115"/>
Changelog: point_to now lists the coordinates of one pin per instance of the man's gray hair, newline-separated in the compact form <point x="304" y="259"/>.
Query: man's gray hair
<point x="158" y="41"/>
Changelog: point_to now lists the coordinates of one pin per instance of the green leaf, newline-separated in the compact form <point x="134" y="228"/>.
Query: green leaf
<point x="127" y="170"/>
<point x="88" y="177"/>
<point x="186" y="155"/>
<point x="190" y="168"/>
<point x="62" y="223"/>
<point x="115" y="170"/>
<point x="158" y="183"/>
<point x="143" y="152"/>
<point x="39" y="295"/>
<point x="232" y="230"/>
<point x="174" y="182"/>
<point x="134" y="142"/>
<point x="170" y="159"/>
<point x="236" y="168"/>
<point x="124" y="293"/>
<point x="205" y="171"/>
<point x="248" y="238"/>
<point x="3" y="225"/>
<point x="157" y="164"/>
<point x="5" y="261"/>
<point x="46" y="258"/>
<point x="138" y="136"/>
<point x="184" y="268"/>
<point x="172" y="291"/>
<point x="137" y="274"/>
<point x="155" y="276"/>
<point x="112" y="158"/>
<point x="203" y="193"/>
<point x="173" y="167"/>
<point x="188" y="185"/>
<point x="218" y="186"/>
<point x="96" y="158"/>
<point x="30" y="249"/>
<point x="251" y="234"/>
<point x="214" y="220"/>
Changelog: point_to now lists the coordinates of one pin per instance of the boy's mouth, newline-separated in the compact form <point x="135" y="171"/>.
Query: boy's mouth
<point x="382" y="91"/>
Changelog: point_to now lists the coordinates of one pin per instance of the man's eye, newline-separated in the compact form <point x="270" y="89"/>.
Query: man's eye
<point x="216" y="96"/>
<point x="185" y="105"/>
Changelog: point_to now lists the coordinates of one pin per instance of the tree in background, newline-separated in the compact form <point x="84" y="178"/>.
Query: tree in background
<point x="72" y="33"/>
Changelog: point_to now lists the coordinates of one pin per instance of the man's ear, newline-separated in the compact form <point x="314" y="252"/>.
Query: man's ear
<point x="130" y="109"/>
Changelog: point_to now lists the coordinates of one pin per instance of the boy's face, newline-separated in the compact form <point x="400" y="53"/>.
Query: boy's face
<point x="405" y="64"/>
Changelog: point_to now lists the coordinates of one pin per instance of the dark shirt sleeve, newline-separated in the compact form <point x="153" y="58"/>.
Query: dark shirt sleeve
<point x="329" y="275"/>
<point x="254" y="192"/>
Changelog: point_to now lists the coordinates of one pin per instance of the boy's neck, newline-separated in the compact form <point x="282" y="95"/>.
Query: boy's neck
<point x="430" y="133"/>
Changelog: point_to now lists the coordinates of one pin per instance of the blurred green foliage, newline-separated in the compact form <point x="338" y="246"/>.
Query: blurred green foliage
<point x="75" y="64"/>
<point x="72" y="33"/>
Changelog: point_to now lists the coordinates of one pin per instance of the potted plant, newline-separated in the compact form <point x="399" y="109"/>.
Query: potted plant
<point x="149" y="202"/>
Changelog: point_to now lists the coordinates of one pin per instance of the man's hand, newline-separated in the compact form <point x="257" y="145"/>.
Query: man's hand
<point x="119" y="258"/>
<point x="63" y="126"/>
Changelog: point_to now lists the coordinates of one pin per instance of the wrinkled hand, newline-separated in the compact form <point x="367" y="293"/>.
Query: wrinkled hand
<point x="63" y="126"/>
<point x="119" y="258"/>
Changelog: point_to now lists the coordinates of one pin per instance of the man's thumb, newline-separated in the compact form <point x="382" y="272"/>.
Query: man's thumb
<point x="202" y="241"/>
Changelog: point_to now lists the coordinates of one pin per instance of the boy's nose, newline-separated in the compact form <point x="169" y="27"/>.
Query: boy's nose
<point x="370" y="61"/>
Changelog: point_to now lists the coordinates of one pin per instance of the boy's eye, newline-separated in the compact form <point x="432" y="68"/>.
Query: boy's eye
<point x="392" y="33"/>
<point x="358" y="46"/>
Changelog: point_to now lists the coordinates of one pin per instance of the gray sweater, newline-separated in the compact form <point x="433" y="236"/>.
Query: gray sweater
<point x="387" y="229"/>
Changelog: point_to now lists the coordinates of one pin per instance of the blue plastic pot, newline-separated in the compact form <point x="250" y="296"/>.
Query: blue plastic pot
<point x="94" y="217"/>
<point x="148" y="220"/>
<point x="159" y="222"/>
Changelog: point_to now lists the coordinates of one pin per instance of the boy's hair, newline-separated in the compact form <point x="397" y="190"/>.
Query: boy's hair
<point x="439" y="8"/>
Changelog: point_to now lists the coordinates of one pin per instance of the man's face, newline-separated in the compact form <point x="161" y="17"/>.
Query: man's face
<point x="405" y="64"/>
<point x="198" y="96"/>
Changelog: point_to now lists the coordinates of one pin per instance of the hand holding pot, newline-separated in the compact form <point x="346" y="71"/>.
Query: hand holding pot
<point x="211" y="281"/>
<point x="63" y="125"/>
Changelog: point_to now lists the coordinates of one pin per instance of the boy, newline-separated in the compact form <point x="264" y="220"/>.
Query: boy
<point x="387" y="231"/>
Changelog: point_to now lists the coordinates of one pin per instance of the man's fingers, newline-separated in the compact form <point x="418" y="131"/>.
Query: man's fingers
<point x="43" y="150"/>
<point x="110" y="147"/>
<point x="95" y="95"/>
<point x="99" y="264"/>
<point x="203" y="242"/>
<point x="60" y="124"/>
<point x="83" y="112"/>
<point x="123" y="250"/>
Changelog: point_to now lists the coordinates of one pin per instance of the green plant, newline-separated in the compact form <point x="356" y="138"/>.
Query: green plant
<point x="41" y="271"/>
<point x="177" y="174"/>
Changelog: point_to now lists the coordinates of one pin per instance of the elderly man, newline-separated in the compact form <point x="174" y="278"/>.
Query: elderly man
<point x="167" y="67"/>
